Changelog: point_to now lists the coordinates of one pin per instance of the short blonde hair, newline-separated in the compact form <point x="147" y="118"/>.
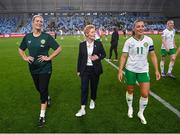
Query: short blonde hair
<point x="88" y="28"/>
<point x="170" y="21"/>
<point x="35" y="16"/>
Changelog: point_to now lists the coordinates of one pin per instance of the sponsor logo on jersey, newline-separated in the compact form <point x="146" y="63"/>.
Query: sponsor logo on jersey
<point x="42" y="45"/>
<point x="29" y="41"/>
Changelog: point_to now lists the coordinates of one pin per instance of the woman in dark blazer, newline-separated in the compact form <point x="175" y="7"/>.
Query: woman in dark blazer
<point x="89" y="67"/>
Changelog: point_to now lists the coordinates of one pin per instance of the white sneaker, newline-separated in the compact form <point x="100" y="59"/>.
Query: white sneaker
<point x="92" y="104"/>
<point x="130" y="112"/>
<point x="80" y="113"/>
<point x="141" y="117"/>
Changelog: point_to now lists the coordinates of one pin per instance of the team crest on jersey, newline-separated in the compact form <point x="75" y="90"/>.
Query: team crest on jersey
<point x="145" y="44"/>
<point x="43" y="41"/>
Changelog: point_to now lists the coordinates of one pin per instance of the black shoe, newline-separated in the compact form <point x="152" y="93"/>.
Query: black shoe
<point x="49" y="101"/>
<point x="41" y="122"/>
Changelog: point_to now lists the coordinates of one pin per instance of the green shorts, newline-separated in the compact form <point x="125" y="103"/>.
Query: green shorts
<point x="132" y="77"/>
<point x="165" y="53"/>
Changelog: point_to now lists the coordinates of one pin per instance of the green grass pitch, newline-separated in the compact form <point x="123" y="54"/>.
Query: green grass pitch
<point x="19" y="101"/>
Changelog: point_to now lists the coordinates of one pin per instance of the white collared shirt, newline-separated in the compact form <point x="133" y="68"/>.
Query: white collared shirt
<point x="90" y="47"/>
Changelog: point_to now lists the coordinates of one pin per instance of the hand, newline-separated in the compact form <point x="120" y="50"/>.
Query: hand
<point x="167" y="49"/>
<point x="78" y="73"/>
<point x="42" y="58"/>
<point x="94" y="57"/>
<point x="158" y="76"/>
<point x="29" y="59"/>
<point x="120" y="75"/>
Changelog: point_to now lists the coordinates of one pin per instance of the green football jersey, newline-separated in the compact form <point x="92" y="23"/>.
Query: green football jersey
<point x="39" y="46"/>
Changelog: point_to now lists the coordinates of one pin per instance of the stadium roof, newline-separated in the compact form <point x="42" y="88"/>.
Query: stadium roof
<point x="168" y="6"/>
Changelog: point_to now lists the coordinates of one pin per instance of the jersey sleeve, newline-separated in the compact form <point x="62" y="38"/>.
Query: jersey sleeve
<point x="52" y="43"/>
<point x="126" y="47"/>
<point x="23" y="44"/>
<point x="174" y="32"/>
<point x="164" y="34"/>
<point x="151" y="45"/>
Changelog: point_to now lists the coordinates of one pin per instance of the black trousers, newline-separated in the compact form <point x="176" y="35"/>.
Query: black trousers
<point x="115" y="51"/>
<point x="87" y="77"/>
<point x="41" y="82"/>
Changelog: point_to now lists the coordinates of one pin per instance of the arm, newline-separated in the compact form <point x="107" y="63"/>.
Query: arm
<point x="121" y="65"/>
<point x="29" y="59"/>
<point x="112" y="37"/>
<point x="174" y="43"/>
<point x="79" y="61"/>
<point x="52" y="56"/>
<point x="177" y="52"/>
<point x="101" y="55"/>
<point x="165" y="44"/>
<point x="155" y="63"/>
<point x="55" y="53"/>
<point x="117" y="36"/>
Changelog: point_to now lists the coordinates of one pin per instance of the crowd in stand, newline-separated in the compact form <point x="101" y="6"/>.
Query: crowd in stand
<point x="72" y="24"/>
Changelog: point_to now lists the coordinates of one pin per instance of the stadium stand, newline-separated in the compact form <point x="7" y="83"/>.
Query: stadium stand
<point x="69" y="24"/>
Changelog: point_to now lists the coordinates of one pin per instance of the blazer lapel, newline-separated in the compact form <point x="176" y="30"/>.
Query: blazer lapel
<point x="95" y="48"/>
<point x="85" y="49"/>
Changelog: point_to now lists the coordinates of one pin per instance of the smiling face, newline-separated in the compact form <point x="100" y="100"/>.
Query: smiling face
<point x="37" y="23"/>
<point x="89" y="32"/>
<point x="139" y="28"/>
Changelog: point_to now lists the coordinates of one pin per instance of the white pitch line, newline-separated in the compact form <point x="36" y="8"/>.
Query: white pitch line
<point x="162" y="101"/>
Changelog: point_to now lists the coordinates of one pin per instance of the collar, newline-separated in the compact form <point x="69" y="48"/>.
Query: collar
<point x="142" y="37"/>
<point x="89" y="44"/>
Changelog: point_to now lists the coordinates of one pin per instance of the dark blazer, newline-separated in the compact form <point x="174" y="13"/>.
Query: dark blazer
<point x="114" y="38"/>
<point x="83" y="56"/>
